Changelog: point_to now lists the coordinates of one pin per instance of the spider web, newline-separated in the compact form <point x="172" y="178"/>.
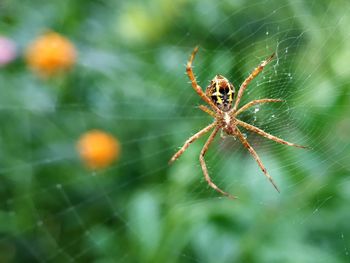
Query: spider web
<point x="142" y="210"/>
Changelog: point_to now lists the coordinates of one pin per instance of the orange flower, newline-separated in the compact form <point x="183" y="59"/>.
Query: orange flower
<point x="98" y="149"/>
<point x="51" y="53"/>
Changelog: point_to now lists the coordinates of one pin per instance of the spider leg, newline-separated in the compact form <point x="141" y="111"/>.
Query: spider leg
<point x="207" y="110"/>
<point x="252" y="75"/>
<point x="256" y="157"/>
<point x="194" y="83"/>
<point x="267" y="135"/>
<point x="254" y="102"/>
<point x="204" y="166"/>
<point x="191" y="140"/>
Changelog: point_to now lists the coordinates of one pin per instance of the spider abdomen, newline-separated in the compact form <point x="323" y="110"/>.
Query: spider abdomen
<point x="221" y="92"/>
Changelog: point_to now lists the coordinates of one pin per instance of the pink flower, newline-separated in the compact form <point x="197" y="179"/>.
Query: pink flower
<point x="7" y="50"/>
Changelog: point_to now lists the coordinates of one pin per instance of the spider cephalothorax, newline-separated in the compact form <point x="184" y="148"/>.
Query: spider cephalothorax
<point x="221" y="92"/>
<point x="219" y="96"/>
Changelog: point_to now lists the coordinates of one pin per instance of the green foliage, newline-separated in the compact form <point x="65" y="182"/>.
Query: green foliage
<point x="129" y="81"/>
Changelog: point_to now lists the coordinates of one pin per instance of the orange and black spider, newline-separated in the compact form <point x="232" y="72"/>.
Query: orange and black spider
<point x="219" y="96"/>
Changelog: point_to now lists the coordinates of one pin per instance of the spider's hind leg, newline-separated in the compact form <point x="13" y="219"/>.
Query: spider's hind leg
<point x="252" y="75"/>
<point x="194" y="83"/>
<point x="207" y="110"/>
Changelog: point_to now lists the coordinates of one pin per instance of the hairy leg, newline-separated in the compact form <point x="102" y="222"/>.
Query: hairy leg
<point x="207" y="110"/>
<point x="267" y="135"/>
<point x="252" y="75"/>
<point x="204" y="166"/>
<point x="256" y="157"/>
<point x="252" y="103"/>
<point x="191" y="140"/>
<point x="194" y="83"/>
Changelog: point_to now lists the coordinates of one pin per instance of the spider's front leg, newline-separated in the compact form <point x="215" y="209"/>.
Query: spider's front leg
<point x="267" y="135"/>
<point x="194" y="83"/>
<point x="204" y="166"/>
<point x="256" y="157"/>
<point x="191" y="140"/>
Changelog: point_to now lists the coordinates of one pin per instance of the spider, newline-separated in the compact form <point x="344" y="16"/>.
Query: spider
<point x="219" y="95"/>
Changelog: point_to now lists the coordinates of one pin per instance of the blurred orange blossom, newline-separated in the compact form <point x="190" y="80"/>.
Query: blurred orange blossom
<point x="98" y="149"/>
<point x="51" y="53"/>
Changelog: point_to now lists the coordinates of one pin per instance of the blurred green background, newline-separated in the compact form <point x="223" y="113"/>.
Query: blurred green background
<point x="129" y="80"/>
